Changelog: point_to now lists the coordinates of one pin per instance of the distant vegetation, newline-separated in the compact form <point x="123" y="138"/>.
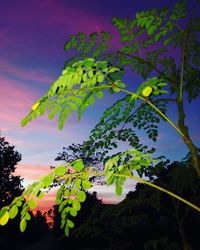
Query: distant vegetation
<point x="147" y="218"/>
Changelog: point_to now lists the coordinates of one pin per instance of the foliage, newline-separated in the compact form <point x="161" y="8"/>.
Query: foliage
<point x="72" y="192"/>
<point x="146" y="217"/>
<point x="150" y="45"/>
<point x="79" y="151"/>
<point x="10" y="185"/>
<point x="95" y="70"/>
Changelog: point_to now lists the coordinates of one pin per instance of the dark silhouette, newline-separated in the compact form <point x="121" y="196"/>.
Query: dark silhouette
<point x="10" y="185"/>
<point x="146" y="219"/>
<point x="79" y="151"/>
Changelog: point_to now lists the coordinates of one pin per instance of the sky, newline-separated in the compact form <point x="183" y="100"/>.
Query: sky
<point x="32" y="37"/>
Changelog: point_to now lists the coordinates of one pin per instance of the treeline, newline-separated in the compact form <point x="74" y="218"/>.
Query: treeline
<point x="145" y="219"/>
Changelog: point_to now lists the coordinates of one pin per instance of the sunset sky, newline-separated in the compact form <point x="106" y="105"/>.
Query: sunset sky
<point x="32" y="37"/>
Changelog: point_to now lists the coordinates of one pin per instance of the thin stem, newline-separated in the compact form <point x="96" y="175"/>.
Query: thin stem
<point x="154" y="107"/>
<point x="149" y="64"/>
<point x="137" y="179"/>
<point x="180" y="94"/>
<point x="152" y="185"/>
<point x="175" y="24"/>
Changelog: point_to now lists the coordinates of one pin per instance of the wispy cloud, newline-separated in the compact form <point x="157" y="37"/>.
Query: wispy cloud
<point x="23" y="73"/>
<point x="31" y="172"/>
<point x="15" y="98"/>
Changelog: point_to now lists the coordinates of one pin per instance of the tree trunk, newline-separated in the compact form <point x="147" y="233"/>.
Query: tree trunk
<point x="185" y="243"/>
<point x="184" y="129"/>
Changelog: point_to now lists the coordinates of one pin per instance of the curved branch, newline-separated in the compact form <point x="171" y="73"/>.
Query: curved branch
<point x="149" y="64"/>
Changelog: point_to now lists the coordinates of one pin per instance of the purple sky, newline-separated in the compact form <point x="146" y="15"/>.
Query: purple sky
<point x="32" y="37"/>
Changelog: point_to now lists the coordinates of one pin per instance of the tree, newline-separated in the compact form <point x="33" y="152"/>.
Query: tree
<point x="10" y="185"/>
<point x="176" y="222"/>
<point x="79" y="151"/>
<point x="97" y="68"/>
<point x="165" y="30"/>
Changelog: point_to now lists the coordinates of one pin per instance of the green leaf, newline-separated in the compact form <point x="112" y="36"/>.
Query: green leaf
<point x="109" y="174"/>
<point x="167" y="41"/>
<point x="72" y="106"/>
<point x="60" y="171"/>
<point x="78" y="165"/>
<point x="47" y="180"/>
<point x="3" y="210"/>
<point x="24" y="122"/>
<point x="99" y="94"/>
<point x="40" y="195"/>
<point x="51" y="114"/>
<point x="89" y="62"/>
<point x="81" y="196"/>
<point x="76" y="205"/>
<point x="13" y="212"/>
<point x="32" y="203"/>
<point x="70" y="224"/>
<point x="100" y="78"/>
<point x="67" y="230"/>
<point x="73" y="212"/>
<point x="124" y="39"/>
<point x="22" y="225"/>
<point x="19" y="203"/>
<point x="67" y="46"/>
<point x="28" y="216"/>
<point x="77" y="183"/>
<point x="86" y="184"/>
<point x="90" y="100"/>
<point x="147" y="91"/>
<point x="4" y="219"/>
<point x="66" y="192"/>
<point x="62" y="205"/>
<point x="118" y="189"/>
<point x="151" y="30"/>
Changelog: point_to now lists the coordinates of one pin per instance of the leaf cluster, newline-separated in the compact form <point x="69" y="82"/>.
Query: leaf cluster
<point x="76" y="89"/>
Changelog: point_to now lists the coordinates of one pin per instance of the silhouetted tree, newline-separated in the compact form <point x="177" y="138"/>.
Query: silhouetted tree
<point x="91" y="204"/>
<point x="10" y="185"/>
<point x="167" y="222"/>
<point x="147" y="218"/>
<point x="79" y="151"/>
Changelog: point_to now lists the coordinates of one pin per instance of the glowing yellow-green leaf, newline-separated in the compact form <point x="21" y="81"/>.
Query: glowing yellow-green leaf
<point x="22" y="225"/>
<point x="73" y="212"/>
<point x="147" y="91"/>
<point x="13" y="212"/>
<point x="40" y="195"/>
<point x="86" y="184"/>
<point x="78" y="165"/>
<point x="27" y="216"/>
<point x="32" y="203"/>
<point x="60" y="171"/>
<point x="4" y="219"/>
<point x="35" y="106"/>
<point x="66" y="230"/>
<point x="81" y="196"/>
<point x="76" y="205"/>
<point x="118" y="189"/>
<point x="100" y="78"/>
<point x="70" y="224"/>
<point x="99" y="94"/>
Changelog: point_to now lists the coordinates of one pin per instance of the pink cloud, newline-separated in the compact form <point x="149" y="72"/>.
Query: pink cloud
<point x="32" y="172"/>
<point x="47" y="202"/>
<point x="14" y="101"/>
